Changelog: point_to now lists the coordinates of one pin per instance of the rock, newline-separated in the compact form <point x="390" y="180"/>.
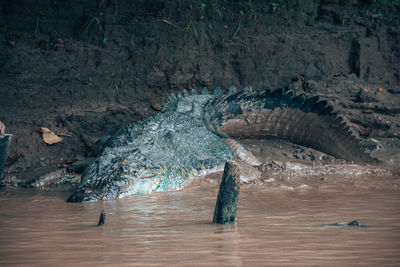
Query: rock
<point x="354" y="223"/>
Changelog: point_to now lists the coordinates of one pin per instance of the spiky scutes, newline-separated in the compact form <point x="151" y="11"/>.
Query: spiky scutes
<point x="298" y="118"/>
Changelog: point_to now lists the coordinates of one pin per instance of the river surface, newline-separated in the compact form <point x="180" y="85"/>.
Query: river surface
<point x="281" y="222"/>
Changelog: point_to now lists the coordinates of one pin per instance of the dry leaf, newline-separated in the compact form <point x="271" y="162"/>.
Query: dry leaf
<point x="48" y="136"/>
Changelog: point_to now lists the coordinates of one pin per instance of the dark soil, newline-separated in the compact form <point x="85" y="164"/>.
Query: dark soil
<point x="84" y="69"/>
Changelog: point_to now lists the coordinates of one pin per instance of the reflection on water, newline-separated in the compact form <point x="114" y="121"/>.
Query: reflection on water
<point x="279" y="223"/>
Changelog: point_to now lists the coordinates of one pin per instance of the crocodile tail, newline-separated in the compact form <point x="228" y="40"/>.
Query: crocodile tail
<point x="298" y="118"/>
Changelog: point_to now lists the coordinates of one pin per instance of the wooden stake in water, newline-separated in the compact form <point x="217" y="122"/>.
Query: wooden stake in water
<point x="102" y="218"/>
<point x="228" y="195"/>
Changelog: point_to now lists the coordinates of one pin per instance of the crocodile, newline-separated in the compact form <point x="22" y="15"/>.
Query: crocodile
<point x="195" y="132"/>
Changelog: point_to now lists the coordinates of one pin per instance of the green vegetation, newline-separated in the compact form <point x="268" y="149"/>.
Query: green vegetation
<point x="37" y="25"/>
<point x="237" y="31"/>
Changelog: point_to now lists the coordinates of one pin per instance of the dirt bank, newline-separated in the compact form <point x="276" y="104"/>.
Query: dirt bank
<point x="84" y="69"/>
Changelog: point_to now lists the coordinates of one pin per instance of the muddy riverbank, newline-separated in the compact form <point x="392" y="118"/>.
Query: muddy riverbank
<point x="84" y="69"/>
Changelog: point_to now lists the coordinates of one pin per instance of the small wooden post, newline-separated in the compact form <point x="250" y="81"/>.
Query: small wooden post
<point x="102" y="218"/>
<point x="228" y="195"/>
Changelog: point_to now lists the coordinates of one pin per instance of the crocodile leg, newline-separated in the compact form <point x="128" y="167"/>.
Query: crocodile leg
<point x="242" y="153"/>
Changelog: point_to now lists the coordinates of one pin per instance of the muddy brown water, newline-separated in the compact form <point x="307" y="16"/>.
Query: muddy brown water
<point x="281" y="222"/>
